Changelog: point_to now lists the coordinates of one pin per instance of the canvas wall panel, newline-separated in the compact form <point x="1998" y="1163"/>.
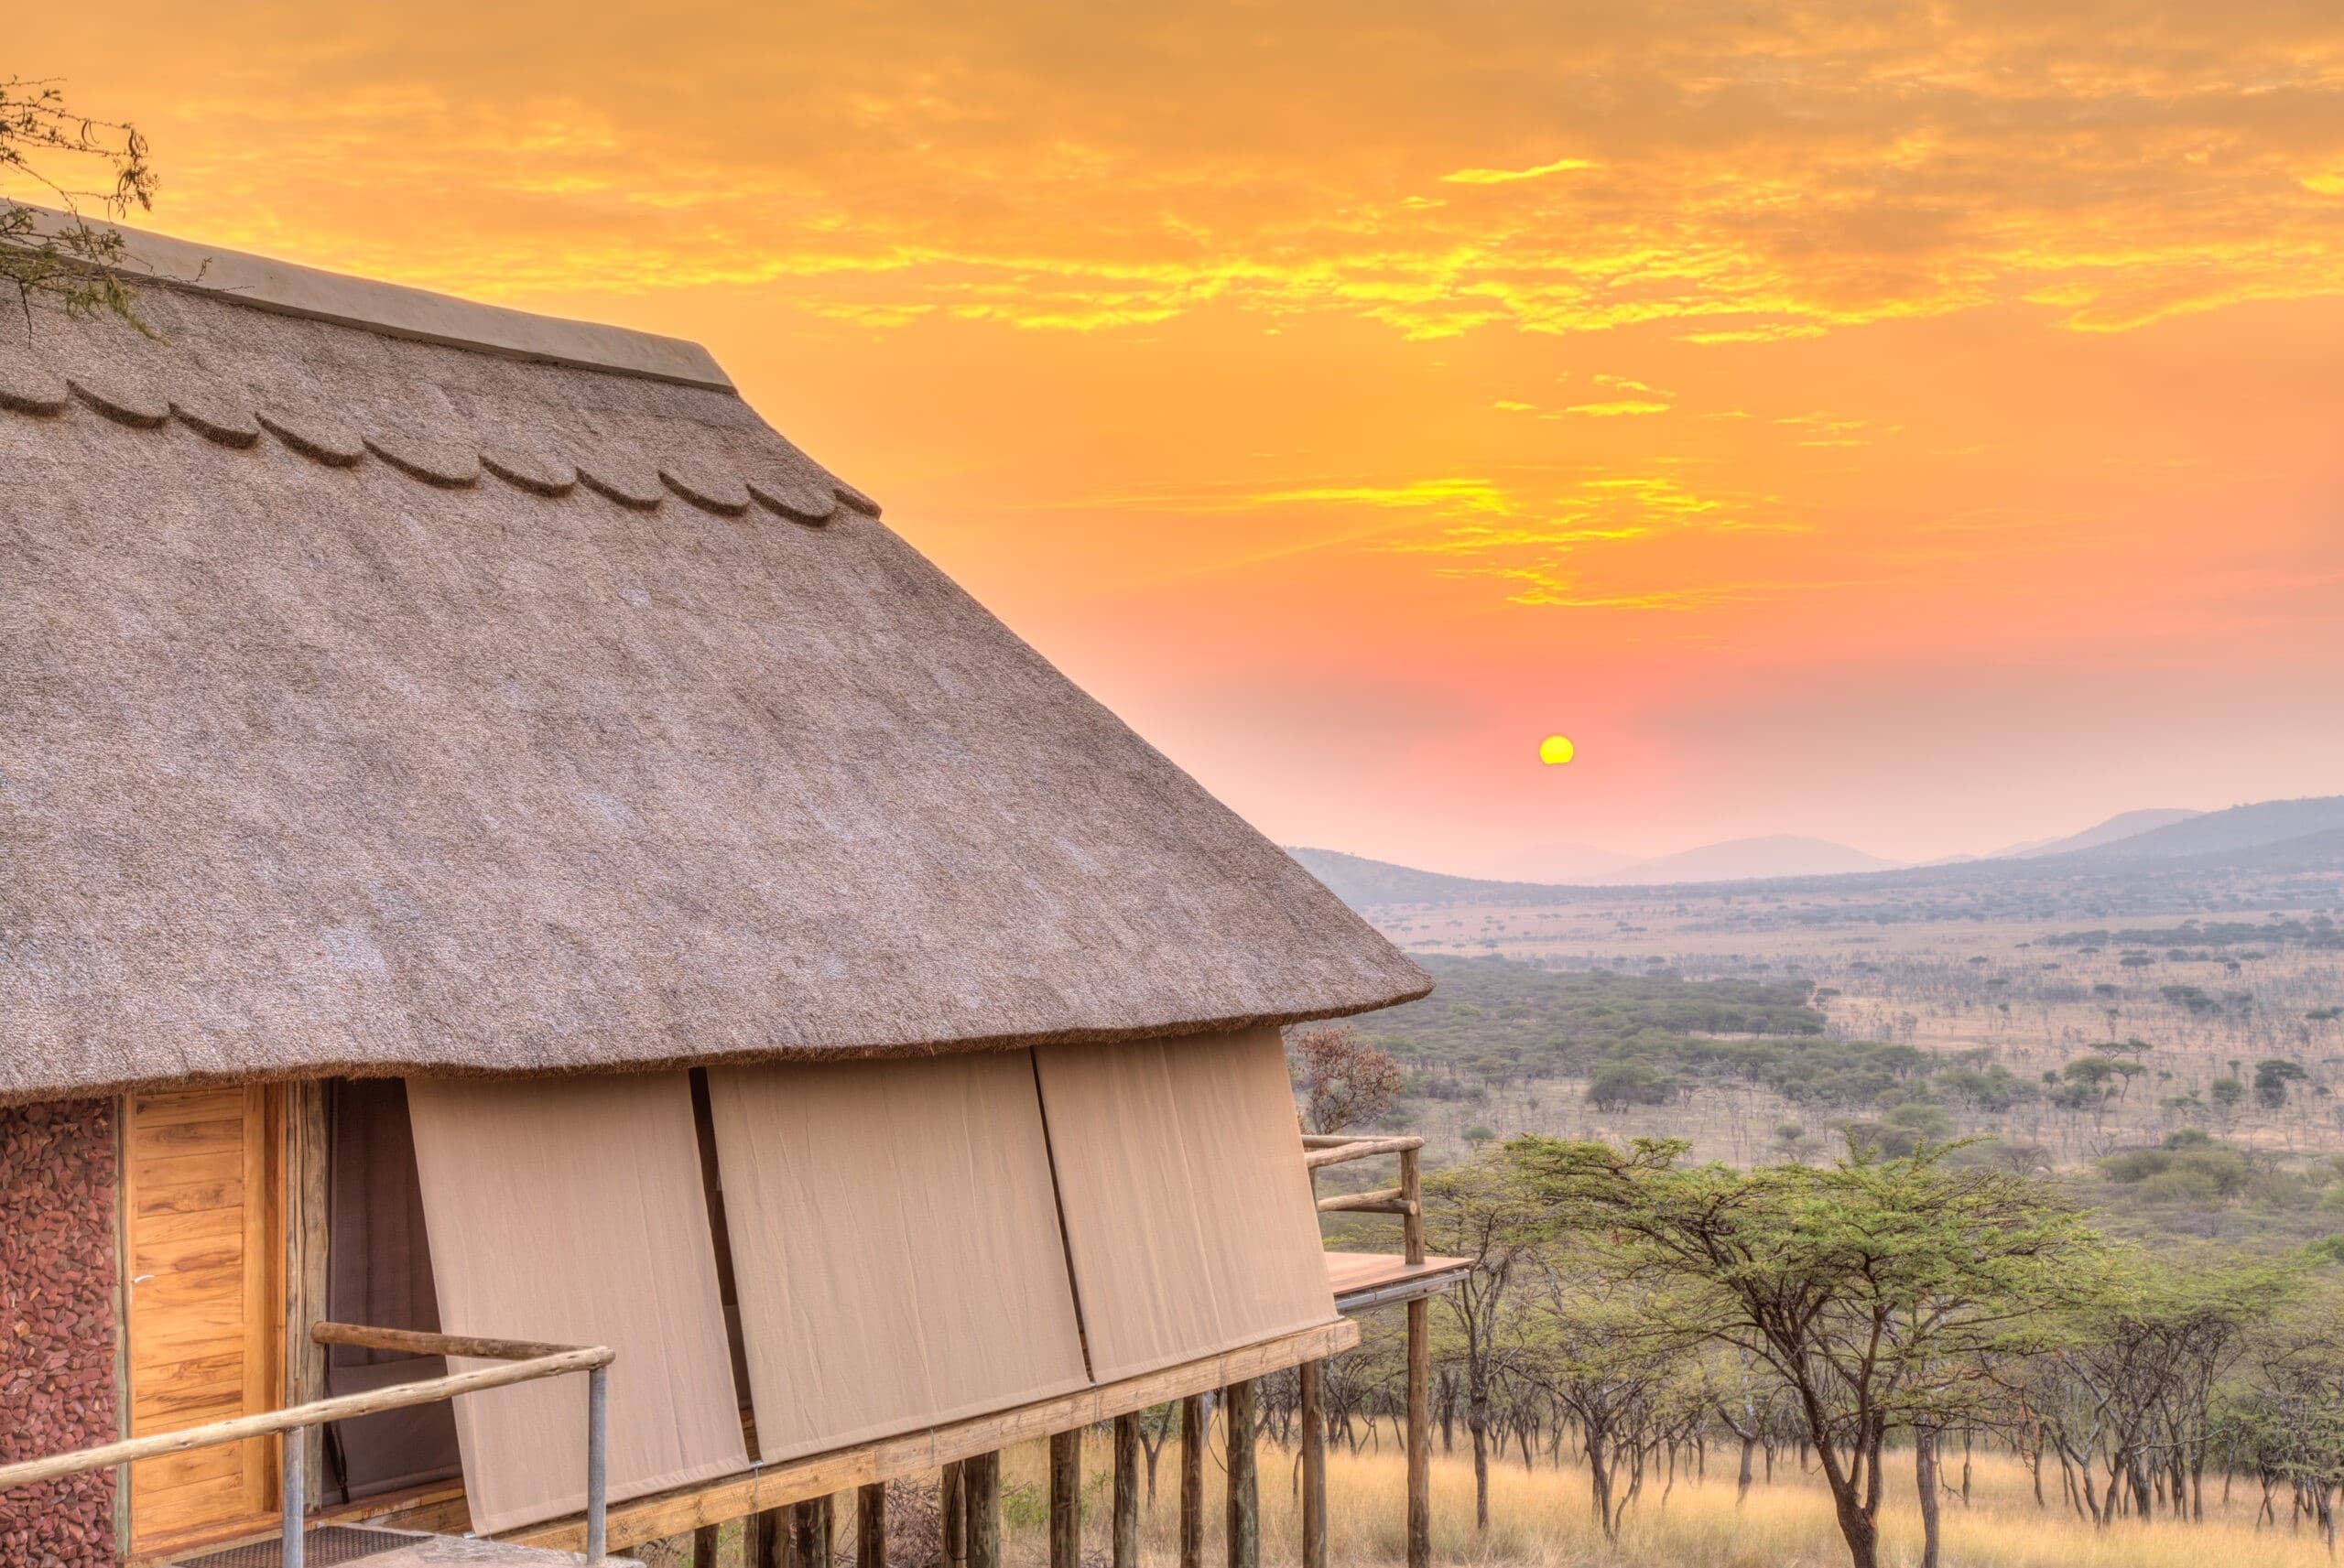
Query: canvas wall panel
<point x="572" y="1210"/>
<point x="1188" y="1215"/>
<point x="895" y="1245"/>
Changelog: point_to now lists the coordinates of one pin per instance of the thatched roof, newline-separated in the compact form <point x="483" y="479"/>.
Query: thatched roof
<point x="374" y="703"/>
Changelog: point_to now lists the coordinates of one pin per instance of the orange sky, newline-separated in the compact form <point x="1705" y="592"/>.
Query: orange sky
<point x="1912" y="425"/>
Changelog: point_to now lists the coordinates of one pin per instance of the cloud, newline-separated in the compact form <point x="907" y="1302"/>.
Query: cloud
<point x="1447" y="495"/>
<point x="1508" y="176"/>
<point x="1544" y="588"/>
<point x="1627" y="406"/>
<point x="1818" y="166"/>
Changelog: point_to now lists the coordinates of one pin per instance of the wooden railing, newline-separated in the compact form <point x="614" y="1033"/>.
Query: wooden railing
<point x="1407" y="1200"/>
<point x="528" y="1363"/>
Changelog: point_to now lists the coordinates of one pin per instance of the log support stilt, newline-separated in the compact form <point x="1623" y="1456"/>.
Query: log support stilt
<point x="1245" y="1490"/>
<point x="1314" y="1470"/>
<point x="981" y="1484"/>
<point x="1419" y="1434"/>
<point x="1192" y="1482"/>
<point x="1126" y="1551"/>
<point x="1066" y="1499"/>
<point x="815" y="1533"/>
<point x="871" y="1526"/>
<point x="767" y="1543"/>
<point x="952" y="1516"/>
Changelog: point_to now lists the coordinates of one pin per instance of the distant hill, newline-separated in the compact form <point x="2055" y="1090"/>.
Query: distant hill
<point x="2267" y="823"/>
<point x="2278" y="835"/>
<point x="2124" y="825"/>
<point x="1749" y="859"/>
<point x="1362" y="883"/>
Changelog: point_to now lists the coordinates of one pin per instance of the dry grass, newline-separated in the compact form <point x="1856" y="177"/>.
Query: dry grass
<point x="1543" y="1519"/>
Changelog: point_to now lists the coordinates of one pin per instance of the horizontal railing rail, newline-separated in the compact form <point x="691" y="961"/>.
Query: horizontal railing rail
<point x="527" y="1362"/>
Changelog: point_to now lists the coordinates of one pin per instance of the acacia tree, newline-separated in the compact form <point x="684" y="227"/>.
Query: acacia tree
<point x="2289" y="1421"/>
<point x="1748" y="1401"/>
<point x="1609" y="1359"/>
<point x="48" y="151"/>
<point x="2134" y="1374"/>
<point x="1345" y="1081"/>
<point x="1872" y="1287"/>
<point x="1482" y="1210"/>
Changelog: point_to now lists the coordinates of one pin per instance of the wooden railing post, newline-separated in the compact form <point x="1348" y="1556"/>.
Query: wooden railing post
<point x="1126" y="1549"/>
<point x="871" y="1526"/>
<point x="981" y="1481"/>
<point x="1244" y="1492"/>
<point x="1192" y="1482"/>
<point x="704" y="1541"/>
<point x="1065" y="1499"/>
<point x="1419" y="1434"/>
<point x="294" y="1497"/>
<point x="1314" y="1470"/>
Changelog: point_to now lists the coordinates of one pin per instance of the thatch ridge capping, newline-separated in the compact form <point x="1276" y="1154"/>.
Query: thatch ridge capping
<point x="291" y="289"/>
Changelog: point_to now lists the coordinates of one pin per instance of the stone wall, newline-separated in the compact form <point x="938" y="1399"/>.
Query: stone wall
<point x="57" y="1325"/>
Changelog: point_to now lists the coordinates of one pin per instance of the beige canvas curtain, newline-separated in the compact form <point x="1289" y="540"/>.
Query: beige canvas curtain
<point x="572" y="1210"/>
<point x="1188" y="1215"/>
<point x="895" y="1245"/>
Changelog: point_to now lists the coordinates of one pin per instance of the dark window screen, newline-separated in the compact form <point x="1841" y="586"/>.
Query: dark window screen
<point x="378" y="1273"/>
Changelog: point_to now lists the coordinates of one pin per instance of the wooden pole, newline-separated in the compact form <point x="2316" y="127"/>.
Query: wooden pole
<point x="704" y="1546"/>
<point x="1065" y="1499"/>
<point x="871" y="1526"/>
<point x="305" y="1268"/>
<point x="1192" y="1482"/>
<point x="952" y="1516"/>
<point x="1314" y="1470"/>
<point x="1245" y="1491"/>
<point x="1419" y="1435"/>
<point x="813" y="1532"/>
<point x="767" y="1542"/>
<point x="1126" y="1553"/>
<point x="981" y="1479"/>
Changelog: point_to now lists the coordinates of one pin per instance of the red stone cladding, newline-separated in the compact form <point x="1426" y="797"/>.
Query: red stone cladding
<point x="57" y="1326"/>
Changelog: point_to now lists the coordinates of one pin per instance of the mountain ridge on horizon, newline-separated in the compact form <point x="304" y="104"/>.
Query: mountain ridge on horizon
<point x="2147" y="834"/>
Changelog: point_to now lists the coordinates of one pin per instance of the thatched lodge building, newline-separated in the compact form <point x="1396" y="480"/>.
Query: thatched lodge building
<point x="497" y="844"/>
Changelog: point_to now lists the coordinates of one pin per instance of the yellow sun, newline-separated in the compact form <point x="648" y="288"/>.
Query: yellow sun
<point x="1555" y="749"/>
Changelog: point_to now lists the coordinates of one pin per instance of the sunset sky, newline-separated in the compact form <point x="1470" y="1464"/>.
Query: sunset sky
<point x="1919" y="425"/>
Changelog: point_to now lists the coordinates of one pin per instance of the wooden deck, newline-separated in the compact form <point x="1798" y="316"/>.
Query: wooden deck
<point x="921" y="1452"/>
<point x="1365" y="1279"/>
<point x="444" y="1550"/>
<point x="377" y="1546"/>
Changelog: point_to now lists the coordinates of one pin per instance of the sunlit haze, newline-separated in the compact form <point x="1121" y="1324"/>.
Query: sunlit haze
<point x="1915" y="425"/>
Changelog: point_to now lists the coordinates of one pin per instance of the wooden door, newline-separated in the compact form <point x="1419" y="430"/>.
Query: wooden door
<point x="204" y="1254"/>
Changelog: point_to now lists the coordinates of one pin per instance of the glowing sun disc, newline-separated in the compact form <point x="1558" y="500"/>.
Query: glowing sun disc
<point x="1555" y="749"/>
